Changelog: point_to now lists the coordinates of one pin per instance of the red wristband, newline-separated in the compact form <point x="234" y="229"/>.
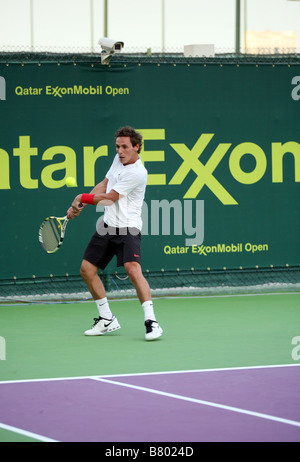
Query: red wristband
<point x="87" y="199"/>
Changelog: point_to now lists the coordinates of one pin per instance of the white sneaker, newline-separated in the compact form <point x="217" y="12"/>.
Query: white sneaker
<point x="153" y="330"/>
<point x="103" y="326"/>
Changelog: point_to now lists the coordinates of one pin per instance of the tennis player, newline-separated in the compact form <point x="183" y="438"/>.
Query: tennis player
<point x="122" y="193"/>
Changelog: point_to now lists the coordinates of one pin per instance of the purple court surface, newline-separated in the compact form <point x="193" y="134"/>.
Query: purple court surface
<point x="258" y="404"/>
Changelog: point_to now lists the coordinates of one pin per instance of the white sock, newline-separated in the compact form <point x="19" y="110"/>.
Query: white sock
<point x="103" y="307"/>
<point x="148" y="310"/>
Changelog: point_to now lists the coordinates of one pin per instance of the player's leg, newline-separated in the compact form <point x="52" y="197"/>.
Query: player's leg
<point x="134" y="271"/>
<point x="97" y="255"/>
<point x="89" y="273"/>
<point x="106" y="322"/>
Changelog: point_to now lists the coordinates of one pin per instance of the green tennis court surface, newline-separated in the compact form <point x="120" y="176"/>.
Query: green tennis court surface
<point x="44" y="341"/>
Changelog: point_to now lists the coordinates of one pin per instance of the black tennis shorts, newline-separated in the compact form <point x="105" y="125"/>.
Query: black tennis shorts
<point x="107" y="242"/>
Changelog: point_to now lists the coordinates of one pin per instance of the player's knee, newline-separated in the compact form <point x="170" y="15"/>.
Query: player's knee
<point x="86" y="270"/>
<point x="83" y="272"/>
<point x="133" y="270"/>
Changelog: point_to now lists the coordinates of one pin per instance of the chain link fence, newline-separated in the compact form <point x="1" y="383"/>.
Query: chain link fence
<point x="163" y="283"/>
<point x="145" y="50"/>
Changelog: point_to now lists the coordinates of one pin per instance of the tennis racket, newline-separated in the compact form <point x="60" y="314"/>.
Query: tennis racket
<point x="52" y="233"/>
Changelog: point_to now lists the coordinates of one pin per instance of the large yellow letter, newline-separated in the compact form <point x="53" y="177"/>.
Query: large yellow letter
<point x="25" y="152"/>
<point x="235" y="158"/>
<point x="278" y="151"/>
<point x="89" y="158"/>
<point x="69" y="165"/>
<point x="4" y="170"/>
<point x="153" y="156"/>
<point x="204" y="171"/>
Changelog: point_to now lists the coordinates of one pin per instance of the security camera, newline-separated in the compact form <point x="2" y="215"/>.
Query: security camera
<point x="111" y="45"/>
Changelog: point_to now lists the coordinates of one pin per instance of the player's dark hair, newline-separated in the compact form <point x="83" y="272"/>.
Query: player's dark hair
<point x="135" y="137"/>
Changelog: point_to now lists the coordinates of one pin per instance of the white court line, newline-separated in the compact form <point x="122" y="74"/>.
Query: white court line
<point x="134" y="374"/>
<point x="26" y="433"/>
<point x="200" y="401"/>
<point x="107" y="378"/>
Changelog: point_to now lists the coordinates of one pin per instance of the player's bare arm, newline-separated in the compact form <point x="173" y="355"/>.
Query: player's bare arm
<point x="99" y="189"/>
<point x="99" y="198"/>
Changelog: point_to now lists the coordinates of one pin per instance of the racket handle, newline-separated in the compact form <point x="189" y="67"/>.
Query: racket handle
<point x="79" y="205"/>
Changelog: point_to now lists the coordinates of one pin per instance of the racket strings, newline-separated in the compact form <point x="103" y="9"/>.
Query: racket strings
<point x="51" y="234"/>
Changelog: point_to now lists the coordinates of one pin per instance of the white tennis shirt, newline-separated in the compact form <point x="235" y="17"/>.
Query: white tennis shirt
<point x="130" y="182"/>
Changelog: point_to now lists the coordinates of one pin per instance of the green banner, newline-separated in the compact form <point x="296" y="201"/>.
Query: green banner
<point x="221" y="146"/>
